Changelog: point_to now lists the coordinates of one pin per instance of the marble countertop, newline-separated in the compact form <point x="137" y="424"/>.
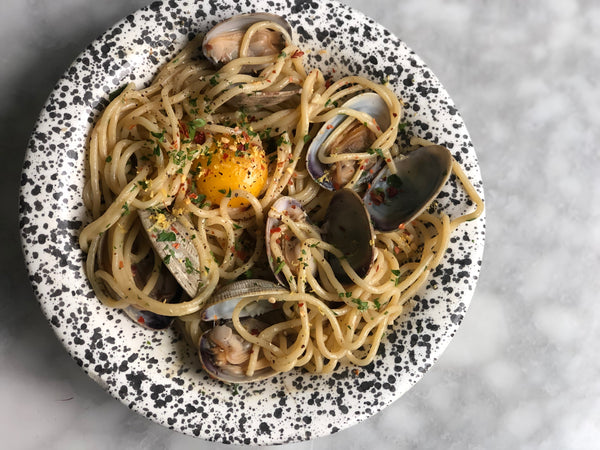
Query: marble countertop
<point x="522" y="371"/>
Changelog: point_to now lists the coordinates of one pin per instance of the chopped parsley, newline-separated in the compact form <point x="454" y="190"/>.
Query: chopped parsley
<point x="373" y="151"/>
<point x="394" y="180"/>
<point x="397" y="274"/>
<point x="159" y="136"/>
<point x="194" y="125"/>
<point x="189" y="267"/>
<point x="166" y="236"/>
<point x="362" y="306"/>
<point x="280" y="264"/>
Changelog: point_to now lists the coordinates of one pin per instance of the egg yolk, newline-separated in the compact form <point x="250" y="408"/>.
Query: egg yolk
<point x="230" y="162"/>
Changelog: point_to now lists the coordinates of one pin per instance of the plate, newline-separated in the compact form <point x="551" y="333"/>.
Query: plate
<point x="157" y="374"/>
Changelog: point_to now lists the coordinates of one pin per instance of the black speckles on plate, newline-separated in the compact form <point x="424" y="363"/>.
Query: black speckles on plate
<point x="157" y="374"/>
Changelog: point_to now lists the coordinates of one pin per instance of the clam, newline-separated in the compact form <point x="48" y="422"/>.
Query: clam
<point x="265" y="99"/>
<point x="356" y="138"/>
<point x="290" y="245"/>
<point x="222" y="43"/>
<point x="166" y="289"/>
<point x="174" y="245"/>
<point x="223" y="353"/>
<point x="348" y="228"/>
<point x="395" y="199"/>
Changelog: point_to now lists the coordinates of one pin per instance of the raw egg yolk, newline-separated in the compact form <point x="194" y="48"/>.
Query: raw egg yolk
<point x="230" y="162"/>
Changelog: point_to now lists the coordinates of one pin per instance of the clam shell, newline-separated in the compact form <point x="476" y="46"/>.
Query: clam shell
<point x="393" y="200"/>
<point x="238" y="23"/>
<point x="348" y="228"/>
<point x="370" y="103"/>
<point x="175" y="246"/>
<point x="288" y="206"/>
<point x="222" y="303"/>
<point x="221" y="373"/>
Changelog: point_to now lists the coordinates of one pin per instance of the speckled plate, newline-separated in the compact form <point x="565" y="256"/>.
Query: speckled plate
<point x="156" y="374"/>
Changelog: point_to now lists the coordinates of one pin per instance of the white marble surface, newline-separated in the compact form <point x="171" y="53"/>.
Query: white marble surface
<point x="523" y="370"/>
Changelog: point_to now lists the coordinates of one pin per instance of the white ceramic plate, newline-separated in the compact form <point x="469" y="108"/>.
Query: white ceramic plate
<point x="156" y="374"/>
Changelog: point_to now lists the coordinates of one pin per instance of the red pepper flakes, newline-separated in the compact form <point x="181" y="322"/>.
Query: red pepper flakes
<point x="401" y="226"/>
<point x="121" y="264"/>
<point x="328" y="83"/>
<point x="396" y="250"/>
<point x="392" y="191"/>
<point x="329" y="127"/>
<point x="176" y="245"/>
<point x="297" y="54"/>
<point x="300" y="305"/>
<point x="183" y="129"/>
<point x="376" y="198"/>
<point x="275" y="230"/>
<point x="200" y="138"/>
<point x="394" y="114"/>
<point x="141" y="320"/>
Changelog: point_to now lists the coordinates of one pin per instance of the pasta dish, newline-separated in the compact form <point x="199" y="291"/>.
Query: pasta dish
<point x="267" y="211"/>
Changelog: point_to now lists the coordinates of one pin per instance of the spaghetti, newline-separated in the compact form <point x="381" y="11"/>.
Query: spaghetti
<point x="156" y="148"/>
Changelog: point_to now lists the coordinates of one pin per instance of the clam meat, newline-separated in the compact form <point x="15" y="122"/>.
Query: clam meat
<point x="225" y="354"/>
<point x="222" y="43"/>
<point x="344" y="135"/>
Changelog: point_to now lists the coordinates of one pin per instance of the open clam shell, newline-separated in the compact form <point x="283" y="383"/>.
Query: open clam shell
<point x="222" y="303"/>
<point x="369" y="103"/>
<point x="348" y="228"/>
<point x="222" y="351"/>
<point x="222" y="43"/>
<point x="292" y="208"/>
<point x="392" y="200"/>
